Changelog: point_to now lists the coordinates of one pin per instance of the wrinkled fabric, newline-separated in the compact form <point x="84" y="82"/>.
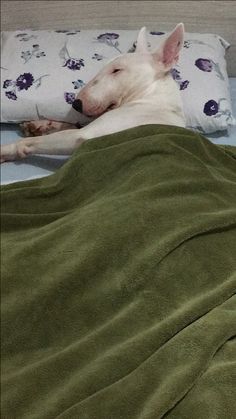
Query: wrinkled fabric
<point x="118" y="282"/>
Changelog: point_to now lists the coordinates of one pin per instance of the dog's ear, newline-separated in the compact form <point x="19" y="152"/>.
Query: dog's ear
<point x="141" y="45"/>
<point x="168" y="53"/>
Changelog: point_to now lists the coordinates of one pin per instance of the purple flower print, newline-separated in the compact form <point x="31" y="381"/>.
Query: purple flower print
<point x="19" y="35"/>
<point x="73" y="32"/>
<point x="175" y="74"/>
<point x="134" y="46"/>
<point x="211" y="108"/>
<point x="61" y="31"/>
<point x="208" y="65"/>
<point x="25" y="37"/>
<point x="78" y="84"/>
<point x="108" y="36"/>
<point x="70" y="62"/>
<point x="219" y="110"/>
<point x="189" y="42"/>
<point x="11" y="95"/>
<point x="69" y="97"/>
<point x="184" y="84"/>
<point x="26" y="56"/>
<point x="66" y="32"/>
<point x="35" y="52"/>
<point x="157" y="33"/>
<point x="24" y="81"/>
<point x="74" y="64"/>
<point x="186" y="44"/>
<point x="97" y="57"/>
<point x="110" y="39"/>
<point x="7" y="83"/>
<point x="204" y="64"/>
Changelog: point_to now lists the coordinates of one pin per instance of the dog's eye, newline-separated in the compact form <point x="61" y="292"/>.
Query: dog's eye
<point x="116" y="70"/>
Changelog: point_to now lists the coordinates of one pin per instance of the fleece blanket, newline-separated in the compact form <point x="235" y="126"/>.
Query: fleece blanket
<point x="118" y="282"/>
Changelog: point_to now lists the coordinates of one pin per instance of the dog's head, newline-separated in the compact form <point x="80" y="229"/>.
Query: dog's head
<point x="130" y="75"/>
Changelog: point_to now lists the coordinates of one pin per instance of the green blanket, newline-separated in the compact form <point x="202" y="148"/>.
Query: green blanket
<point x="118" y="282"/>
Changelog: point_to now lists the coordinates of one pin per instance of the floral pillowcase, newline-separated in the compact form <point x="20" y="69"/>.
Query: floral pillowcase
<point x="42" y="71"/>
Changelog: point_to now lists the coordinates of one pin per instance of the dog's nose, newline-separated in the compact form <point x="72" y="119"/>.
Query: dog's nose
<point x="77" y="105"/>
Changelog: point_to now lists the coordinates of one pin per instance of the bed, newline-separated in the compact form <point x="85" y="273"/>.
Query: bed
<point x="118" y="264"/>
<point x="45" y="165"/>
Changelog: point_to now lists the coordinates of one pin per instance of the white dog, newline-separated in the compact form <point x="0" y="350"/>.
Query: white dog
<point x="133" y="89"/>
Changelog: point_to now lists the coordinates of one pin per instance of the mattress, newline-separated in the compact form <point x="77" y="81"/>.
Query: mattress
<point x="39" y="166"/>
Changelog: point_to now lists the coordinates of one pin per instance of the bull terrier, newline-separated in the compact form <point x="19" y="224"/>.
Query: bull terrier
<point x="133" y="89"/>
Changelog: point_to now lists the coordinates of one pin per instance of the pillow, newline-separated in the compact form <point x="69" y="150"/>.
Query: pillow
<point x="42" y="71"/>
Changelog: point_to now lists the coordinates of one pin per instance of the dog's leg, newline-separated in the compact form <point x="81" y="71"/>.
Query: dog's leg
<point x="60" y="143"/>
<point x="65" y="142"/>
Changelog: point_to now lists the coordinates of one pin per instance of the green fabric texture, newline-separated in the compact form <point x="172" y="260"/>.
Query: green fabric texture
<point x="118" y="282"/>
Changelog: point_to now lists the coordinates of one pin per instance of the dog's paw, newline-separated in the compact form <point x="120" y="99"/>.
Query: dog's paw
<point x="36" y="128"/>
<point x="8" y="152"/>
<point x="15" y="151"/>
<point x="44" y="127"/>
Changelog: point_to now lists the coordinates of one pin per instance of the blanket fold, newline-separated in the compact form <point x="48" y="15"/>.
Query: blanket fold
<point x="118" y="282"/>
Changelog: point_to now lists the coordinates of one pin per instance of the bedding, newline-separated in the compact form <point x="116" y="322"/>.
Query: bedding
<point x="39" y="166"/>
<point x="119" y="275"/>
<point x="42" y="71"/>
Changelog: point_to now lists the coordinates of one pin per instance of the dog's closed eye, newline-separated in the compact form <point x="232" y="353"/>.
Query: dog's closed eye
<point x="116" y="70"/>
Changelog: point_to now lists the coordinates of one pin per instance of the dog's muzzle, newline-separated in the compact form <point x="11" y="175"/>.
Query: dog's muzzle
<point x="77" y="105"/>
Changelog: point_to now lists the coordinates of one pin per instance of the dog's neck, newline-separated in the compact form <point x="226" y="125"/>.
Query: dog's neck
<point x="161" y="99"/>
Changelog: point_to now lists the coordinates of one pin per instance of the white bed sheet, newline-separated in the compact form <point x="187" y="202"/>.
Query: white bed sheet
<point x="39" y="166"/>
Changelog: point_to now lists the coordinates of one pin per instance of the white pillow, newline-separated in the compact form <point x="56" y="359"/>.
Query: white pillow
<point x="42" y="71"/>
